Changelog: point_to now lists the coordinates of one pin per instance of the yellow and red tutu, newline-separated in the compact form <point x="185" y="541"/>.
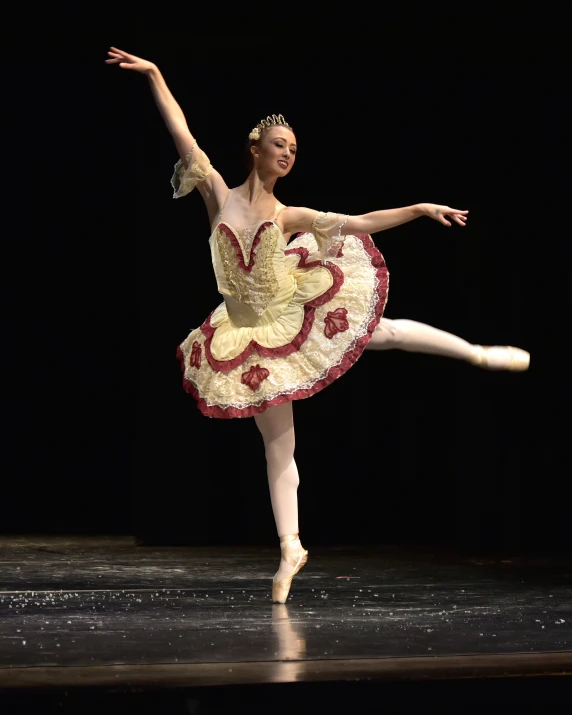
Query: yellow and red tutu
<point x="294" y="318"/>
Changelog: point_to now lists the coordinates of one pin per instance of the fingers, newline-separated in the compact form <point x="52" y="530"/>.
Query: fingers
<point x="115" y="52"/>
<point x="459" y="217"/>
<point x="124" y="60"/>
<point x="116" y="57"/>
<point x="456" y="215"/>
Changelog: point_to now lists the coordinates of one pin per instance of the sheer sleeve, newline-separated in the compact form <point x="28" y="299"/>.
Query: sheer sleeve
<point x="327" y="230"/>
<point x="190" y="172"/>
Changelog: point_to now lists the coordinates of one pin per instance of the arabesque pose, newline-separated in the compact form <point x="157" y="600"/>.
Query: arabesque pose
<point x="304" y="294"/>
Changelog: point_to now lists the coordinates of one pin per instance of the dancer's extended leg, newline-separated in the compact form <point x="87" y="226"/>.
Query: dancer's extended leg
<point x="417" y="337"/>
<point x="277" y="428"/>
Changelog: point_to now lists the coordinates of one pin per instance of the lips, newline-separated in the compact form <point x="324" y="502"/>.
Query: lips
<point x="283" y="164"/>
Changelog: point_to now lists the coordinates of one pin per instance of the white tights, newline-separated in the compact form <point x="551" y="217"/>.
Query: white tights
<point x="277" y="424"/>
<point x="418" y="338"/>
<point x="277" y="428"/>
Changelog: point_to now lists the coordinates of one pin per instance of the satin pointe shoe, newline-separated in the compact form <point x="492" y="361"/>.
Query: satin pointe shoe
<point x="296" y="556"/>
<point x="500" y="357"/>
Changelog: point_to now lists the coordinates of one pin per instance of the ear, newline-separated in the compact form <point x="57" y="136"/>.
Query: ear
<point x="254" y="151"/>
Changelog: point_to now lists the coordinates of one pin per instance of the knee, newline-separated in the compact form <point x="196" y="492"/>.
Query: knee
<point x="281" y="464"/>
<point x="401" y="330"/>
<point x="281" y="448"/>
<point x="391" y="332"/>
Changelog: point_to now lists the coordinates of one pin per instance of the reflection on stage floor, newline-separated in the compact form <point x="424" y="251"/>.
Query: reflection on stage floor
<point x="98" y="610"/>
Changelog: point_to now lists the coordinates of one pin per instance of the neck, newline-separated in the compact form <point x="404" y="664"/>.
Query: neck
<point x="257" y="187"/>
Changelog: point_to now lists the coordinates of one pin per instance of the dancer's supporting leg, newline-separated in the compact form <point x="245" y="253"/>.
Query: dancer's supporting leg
<point x="417" y="337"/>
<point x="277" y="428"/>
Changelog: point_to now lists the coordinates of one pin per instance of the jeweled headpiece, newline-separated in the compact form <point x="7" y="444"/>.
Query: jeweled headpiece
<point x="272" y="121"/>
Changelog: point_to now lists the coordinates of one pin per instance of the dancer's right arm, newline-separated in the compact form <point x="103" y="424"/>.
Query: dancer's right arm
<point x="213" y="188"/>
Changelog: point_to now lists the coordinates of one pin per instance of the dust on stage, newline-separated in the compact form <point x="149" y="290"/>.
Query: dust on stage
<point x="103" y="614"/>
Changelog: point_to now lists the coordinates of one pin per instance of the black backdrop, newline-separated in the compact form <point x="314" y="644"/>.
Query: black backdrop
<point x="404" y="448"/>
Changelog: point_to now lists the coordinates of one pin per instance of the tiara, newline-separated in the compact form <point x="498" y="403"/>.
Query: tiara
<point x="271" y="121"/>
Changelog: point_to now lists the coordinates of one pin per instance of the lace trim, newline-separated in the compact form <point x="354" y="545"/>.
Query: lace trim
<point x="314" y="385"/>
<point x="187" y="174"/>
<point x="322" y="226"/>
<point x="250" y="275"/>
<point x="331" y="373"/>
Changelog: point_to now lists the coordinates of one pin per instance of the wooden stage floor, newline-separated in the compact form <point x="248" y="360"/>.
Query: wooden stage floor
<point x="101" y="613"/>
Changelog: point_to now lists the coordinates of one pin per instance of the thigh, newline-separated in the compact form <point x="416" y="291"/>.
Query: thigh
<point x="275" y="421"/>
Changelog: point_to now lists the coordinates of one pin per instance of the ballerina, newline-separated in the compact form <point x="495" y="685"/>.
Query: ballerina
<point x="304" y="294"/>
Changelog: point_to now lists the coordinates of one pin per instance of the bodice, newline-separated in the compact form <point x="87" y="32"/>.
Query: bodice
<point x="249" y="266"/>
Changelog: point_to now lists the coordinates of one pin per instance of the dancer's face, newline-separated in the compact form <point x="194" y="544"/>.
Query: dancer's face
<point x="276" y="152"/>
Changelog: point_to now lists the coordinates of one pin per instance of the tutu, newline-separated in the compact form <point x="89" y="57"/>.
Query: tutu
<point x="295" y="316"/>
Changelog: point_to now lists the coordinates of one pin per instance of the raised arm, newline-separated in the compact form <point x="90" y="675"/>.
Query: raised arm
<point x="211" y="184"/>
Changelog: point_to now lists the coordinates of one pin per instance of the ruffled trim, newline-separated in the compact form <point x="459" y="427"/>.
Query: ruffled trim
<point x="322" y="225"/>
<point x="184" y="180"/>
<point x="254" y="347"/>
<point x="283" y="350"/>
<point x="348" y="359"/>
<point x="236" y="245"/>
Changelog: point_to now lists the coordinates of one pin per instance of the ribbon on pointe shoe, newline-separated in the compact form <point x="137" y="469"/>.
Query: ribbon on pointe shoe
<point x="297" y="559"/>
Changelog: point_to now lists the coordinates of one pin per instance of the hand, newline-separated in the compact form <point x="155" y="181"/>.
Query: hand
<point x="129" y="62"/>
<point x="440" y="213"/>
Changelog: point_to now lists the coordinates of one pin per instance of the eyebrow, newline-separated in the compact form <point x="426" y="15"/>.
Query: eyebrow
<point x="284" y="140"/>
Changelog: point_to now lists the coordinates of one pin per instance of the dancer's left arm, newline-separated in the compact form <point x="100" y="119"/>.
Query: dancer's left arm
<point x="298" y="219"/>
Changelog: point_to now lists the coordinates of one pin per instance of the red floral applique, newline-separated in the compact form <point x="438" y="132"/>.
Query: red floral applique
<point x="336" y="322"/>
<point x="196" y="355"/>
<point x="254" y="377"/>
<point x="224" y="411"/>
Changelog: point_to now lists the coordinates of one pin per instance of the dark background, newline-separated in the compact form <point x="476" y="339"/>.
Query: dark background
<point x="110" y="274"/>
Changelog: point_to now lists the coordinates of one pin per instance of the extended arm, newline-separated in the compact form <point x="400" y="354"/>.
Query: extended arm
<point x="302" y="219"/>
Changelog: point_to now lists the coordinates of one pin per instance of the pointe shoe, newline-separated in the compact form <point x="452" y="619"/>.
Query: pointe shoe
<point x="499" y="357"/>
<point x="296" y="557"/>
